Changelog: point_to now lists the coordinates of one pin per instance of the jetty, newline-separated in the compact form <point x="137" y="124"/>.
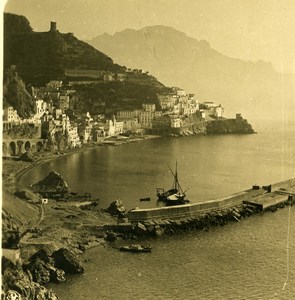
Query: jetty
<point x="202" y="215"/>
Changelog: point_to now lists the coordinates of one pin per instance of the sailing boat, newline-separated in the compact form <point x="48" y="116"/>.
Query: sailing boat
<point x="175" y="195"/>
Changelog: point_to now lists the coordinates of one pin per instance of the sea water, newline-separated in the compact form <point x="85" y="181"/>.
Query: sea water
<point x="252" y="259"/>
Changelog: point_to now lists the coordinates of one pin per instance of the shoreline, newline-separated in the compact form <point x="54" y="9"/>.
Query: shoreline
<point x="55" y="211"/>
<point x="66" y="225"/>
<point x="51" y="156"/>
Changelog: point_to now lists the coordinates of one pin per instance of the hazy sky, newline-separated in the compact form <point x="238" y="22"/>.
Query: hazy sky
<point x="246" y="29"/>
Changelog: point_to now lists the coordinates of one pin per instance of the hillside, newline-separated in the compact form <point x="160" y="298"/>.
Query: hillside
<point x="43" y="56"/>
<point x="178" y="60"/>
<point x="108" y="98"/>
<point x="15" y="93"/>
<point x="34" y="58"/>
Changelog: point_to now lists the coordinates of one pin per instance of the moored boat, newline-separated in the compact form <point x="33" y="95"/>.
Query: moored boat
<point x="135" y="248"/>
<point x="175" y="195"/>
<point x="145" y="199"/>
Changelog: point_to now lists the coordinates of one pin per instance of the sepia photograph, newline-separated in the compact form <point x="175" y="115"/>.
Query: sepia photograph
<point x="148" y="149"/>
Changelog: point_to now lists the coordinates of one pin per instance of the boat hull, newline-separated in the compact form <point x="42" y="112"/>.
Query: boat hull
<point x="136" y="249"/>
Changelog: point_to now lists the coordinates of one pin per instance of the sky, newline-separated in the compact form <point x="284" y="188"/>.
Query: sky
<point x="246" y="29"/>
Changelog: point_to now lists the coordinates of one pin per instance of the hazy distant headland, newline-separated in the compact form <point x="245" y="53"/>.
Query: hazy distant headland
<point x="253" y="88"/>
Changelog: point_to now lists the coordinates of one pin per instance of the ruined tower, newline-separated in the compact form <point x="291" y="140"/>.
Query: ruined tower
<point x="53" y="26"/>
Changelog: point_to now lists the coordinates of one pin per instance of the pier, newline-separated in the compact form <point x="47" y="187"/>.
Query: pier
<point x="269" y="201"/>
<point x="258" y="198"/>
<point x="203" y="215"/>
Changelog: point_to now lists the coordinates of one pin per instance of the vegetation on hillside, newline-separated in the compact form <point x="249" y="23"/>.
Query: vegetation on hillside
<point x="44" y="56"/>
<point x="22" y="130"/>
<point x="113" y="96"/>
<point x="39" y="57"/>
<point x="15" y="93"/>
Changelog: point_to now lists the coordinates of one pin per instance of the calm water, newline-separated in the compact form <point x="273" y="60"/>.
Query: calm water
<point x="208" y="166"/>
<point x="249" y="260"/>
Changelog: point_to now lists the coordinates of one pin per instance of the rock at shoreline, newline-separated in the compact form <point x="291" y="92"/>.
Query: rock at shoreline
<point x="67" y="261"/>
<point x="53" y="183"/>
<point x="15" y="278"/>
<point x="229" y="126"/>
<point x="117" y="209"/>
<point x="41" y="267"/>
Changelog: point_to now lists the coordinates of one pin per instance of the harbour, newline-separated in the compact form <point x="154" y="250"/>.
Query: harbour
<point x="94" y="125"/>
<point x="260" y="198"/>
<point x="191" y="243"/>
<point x="236" y="261"/>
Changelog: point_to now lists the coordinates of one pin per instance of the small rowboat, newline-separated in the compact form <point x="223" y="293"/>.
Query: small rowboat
<point x="135" y="248"/>
<point x="145" y="199"/>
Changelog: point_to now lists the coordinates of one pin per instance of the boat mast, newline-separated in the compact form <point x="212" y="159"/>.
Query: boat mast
<point x="176" y="184"/>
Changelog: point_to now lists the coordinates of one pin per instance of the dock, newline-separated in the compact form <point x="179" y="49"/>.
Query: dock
<point x="269" y="201"/>
<point x="257" y="199"/>
<point x="203" y="215"/>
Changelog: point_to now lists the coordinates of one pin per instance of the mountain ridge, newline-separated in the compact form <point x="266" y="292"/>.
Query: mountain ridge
<point x="43" y="56"/>
<point x="34" y="58"/>
<point x="179" y="60"/>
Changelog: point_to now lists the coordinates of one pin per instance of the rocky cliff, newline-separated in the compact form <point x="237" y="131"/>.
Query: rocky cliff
<point x="229" y="126"/>
<point x="15" y="93"/>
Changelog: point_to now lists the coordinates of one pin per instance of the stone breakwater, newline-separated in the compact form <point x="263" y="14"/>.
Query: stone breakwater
<point x="196" y="216"/>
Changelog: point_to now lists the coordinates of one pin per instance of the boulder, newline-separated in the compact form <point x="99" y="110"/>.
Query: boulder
<point x="53" y="183"/>
<point x="40" y="271"/>
<point x="67" y="261"/>
<point x="140" y="229"/>
<point x="41" y="255"/>
<point x="57" y="275"/>
<point x="117" y="209"/>
<point x="16" y="279"/>
<point x="111" y="236"/>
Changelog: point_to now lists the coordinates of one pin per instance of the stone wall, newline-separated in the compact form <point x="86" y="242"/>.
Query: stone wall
<point x="192" y="210"/>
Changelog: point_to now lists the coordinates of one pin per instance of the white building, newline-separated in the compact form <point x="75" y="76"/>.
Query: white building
<point x="175" y="121"/>
<point x="113" y="127"/>
<point x="158" y="114"/>
<point x="54" y="84"/>
<point x="72" y="132"/>
<point x="10" y="115"/>
<point x="181" y="93"/>
<point x="41" y="106"/>
<point x="145" y="119"/>
<point x="108" y="77"/>
<point x="126" y="114"/>
<point x="85" y="133"/>
<point x="149" y="107"/>
<point x="167" y="101"/>
<point x="209" y="104"/>
<point x="217" y="112"/>
<point x="131" y="125"/>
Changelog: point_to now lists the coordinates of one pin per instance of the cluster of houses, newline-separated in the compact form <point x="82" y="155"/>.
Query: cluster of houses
<point x="53" y="115"/>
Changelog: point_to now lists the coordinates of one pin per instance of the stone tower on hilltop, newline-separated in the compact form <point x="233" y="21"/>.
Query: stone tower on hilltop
<point x="52" y="26"/>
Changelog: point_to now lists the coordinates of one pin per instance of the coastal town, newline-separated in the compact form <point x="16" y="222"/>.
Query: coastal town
<point x="79" y="100"/>
<point x="91" y="105"/>
<point x="58" y="126"/>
